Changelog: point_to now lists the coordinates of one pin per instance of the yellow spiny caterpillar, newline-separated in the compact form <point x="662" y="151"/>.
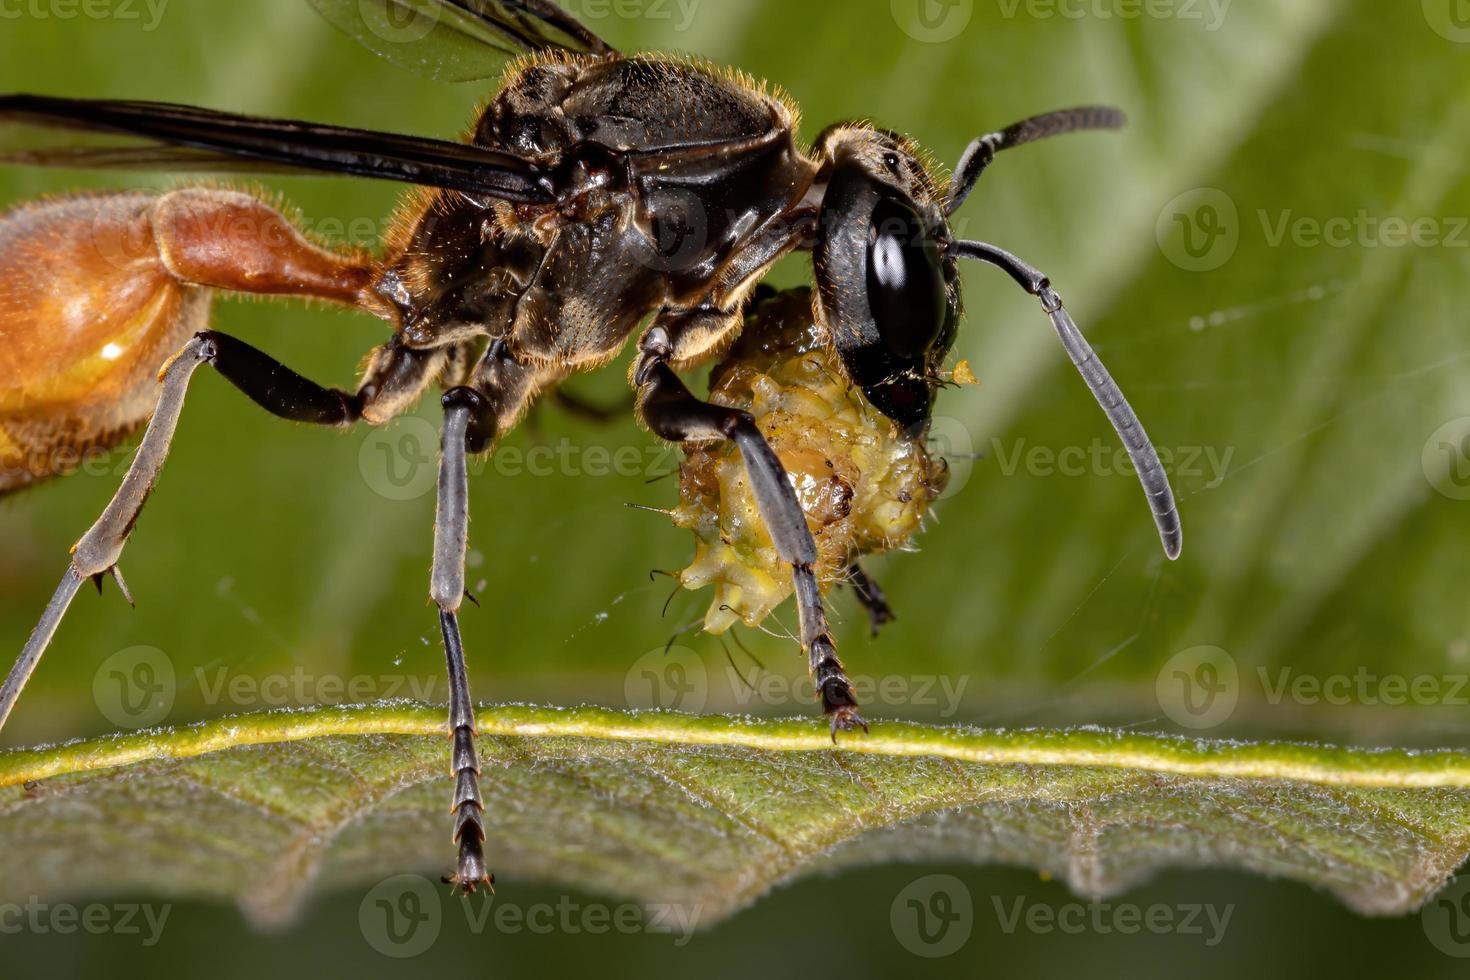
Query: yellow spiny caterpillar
<point x="864" y="484"/>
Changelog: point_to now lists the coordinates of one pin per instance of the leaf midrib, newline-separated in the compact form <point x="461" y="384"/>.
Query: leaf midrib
<point x="1082" y="747"/>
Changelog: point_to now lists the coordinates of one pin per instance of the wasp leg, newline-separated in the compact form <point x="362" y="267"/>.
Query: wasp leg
<point x="674" y="414"/>
<point x="98" y="550"/>
<point x="133" y="274"/>
<point x="873" y="601"/>
<point x="462" y="406"/>
<point x="500" y="392"/>
<point x="266" y="382"/>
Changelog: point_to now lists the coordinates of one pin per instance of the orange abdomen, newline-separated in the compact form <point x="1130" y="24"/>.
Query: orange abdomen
<point x="88" y="315"/>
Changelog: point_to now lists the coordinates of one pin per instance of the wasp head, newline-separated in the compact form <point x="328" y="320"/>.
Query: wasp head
<point x="888" y="292"/>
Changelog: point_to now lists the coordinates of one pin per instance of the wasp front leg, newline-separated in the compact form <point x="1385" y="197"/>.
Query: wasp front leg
<point x="672" y="411"/>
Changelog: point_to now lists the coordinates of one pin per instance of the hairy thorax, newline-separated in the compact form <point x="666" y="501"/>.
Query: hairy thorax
<point x="663" y="169"/>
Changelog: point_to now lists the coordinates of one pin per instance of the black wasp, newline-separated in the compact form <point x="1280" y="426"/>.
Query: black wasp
<point x="596" y="194"/>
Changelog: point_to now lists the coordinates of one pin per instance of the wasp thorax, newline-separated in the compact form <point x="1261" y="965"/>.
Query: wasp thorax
<point x="864" y="484"/>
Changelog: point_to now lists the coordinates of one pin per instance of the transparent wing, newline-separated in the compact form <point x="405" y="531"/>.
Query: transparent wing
<point x="114" y="135"/>
<point x="459" y="40"/>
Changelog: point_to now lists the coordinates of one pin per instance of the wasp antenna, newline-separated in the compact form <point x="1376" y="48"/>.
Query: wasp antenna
<point x="981" y="152"/>
<point x="1109" y="396"/>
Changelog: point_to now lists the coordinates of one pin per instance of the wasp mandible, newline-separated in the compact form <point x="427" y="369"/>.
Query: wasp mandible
<point x="596" y="193"/>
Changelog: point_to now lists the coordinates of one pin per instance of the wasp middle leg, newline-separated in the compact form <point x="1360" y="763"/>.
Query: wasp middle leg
<point x="475" y="416"/>
<point x="673" y="413"/>
<point x="462" y="407"/>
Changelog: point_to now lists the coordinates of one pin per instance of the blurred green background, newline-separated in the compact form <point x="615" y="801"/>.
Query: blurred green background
<point x="1237" y="258"/>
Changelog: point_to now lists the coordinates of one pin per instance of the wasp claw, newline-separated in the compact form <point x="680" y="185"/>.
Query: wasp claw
<point x="847" y="719"/>
<point x="468" y="886"/>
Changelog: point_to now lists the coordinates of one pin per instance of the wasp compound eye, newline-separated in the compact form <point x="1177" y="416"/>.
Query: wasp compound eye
<point x="906" y="292"/>
<point x="884" y="292"/>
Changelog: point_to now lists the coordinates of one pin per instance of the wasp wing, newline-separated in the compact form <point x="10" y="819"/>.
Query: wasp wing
<point x="459" y="40"/>
<point x="163" y="136"/>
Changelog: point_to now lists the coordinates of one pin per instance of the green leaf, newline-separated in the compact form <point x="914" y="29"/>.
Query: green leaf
<point x="709" y="813"/>
<point x="1324" y="538"/>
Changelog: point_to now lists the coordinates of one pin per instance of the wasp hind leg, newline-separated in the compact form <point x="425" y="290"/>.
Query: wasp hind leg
<point x="99" y="550"/>
<point x="147" y="263"/>
<point x="266" y="382"/>
<point x="673" y="413"/>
